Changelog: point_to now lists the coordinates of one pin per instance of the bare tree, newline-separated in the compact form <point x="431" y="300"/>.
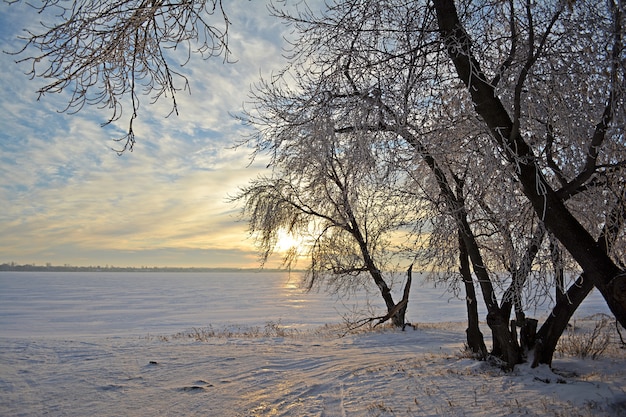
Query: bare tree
<point x="336" y="188"/>
<point x="349" y="100"/>
<point x="513" y="130"/>
<point x="567" y="301"/>
<point x="405" y="63"/>
<point x="107" y="52"/>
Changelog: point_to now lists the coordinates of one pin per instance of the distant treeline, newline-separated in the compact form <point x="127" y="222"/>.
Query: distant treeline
<point x="69" y="268"/>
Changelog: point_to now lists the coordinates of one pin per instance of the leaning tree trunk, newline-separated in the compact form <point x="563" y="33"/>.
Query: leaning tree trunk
<point x="567" y="303"/>
<point x="397" y="314"/>
<point x="475" y="339"/>
<point x="598" y="267"/>
<point x="549" y="334"/>
<point x="395" y="311"/>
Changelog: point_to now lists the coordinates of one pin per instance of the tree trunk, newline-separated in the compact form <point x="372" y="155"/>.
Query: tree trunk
<point x="374" y="272"/>
<point x="397" y="313"/>
<point x="475" y="339"/>
<point x="397" y="319"/>
<point x="549" y="334"/>
<point x="597" y="265"/>
<point x="512" y="296"/>
<point x="497" y="319"/>
<point x="401" y="315"/>
<point x="559" y="274"/>
<point x="567" y="303"/>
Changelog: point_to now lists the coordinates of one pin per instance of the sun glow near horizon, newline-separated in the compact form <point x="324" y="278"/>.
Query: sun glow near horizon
<point x="287" y="241"/>
<point x="67" y="198"/>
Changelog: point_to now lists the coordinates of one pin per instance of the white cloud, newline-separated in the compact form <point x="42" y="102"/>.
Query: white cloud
<point x="65" y="197"/>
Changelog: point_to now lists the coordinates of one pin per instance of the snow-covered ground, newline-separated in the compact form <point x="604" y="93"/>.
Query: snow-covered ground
<point x="259" y="350"/>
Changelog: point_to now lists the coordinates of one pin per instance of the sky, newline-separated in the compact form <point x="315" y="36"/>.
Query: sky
<point x="67" y="198"/>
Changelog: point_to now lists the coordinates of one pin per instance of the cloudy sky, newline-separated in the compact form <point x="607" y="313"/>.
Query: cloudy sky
<point x="67" y="198"/>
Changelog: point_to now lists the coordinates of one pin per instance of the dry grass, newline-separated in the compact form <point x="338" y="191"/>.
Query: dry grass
<point x="591" y="337"/>
<point x="204" y="334"/>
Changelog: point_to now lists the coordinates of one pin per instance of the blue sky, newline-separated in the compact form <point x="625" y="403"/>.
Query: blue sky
<point x="67" y="198"/>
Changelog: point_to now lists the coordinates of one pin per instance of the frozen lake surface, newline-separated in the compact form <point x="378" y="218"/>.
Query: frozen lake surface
<point x="107" y="304"/>
<point x="124" y="344"/>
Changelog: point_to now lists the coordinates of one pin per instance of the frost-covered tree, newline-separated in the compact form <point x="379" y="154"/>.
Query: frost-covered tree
<point x="340" y="190"/>
<point x="529" y="81"/>
<point x="106" y="53"/>
<point x="551" y="94"/>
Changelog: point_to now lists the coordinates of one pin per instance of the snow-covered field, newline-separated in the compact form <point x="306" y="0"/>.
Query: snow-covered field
<point x="254" y="345"/>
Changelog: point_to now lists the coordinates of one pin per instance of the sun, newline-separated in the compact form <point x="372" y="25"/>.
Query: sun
<point x="286" y="241"/>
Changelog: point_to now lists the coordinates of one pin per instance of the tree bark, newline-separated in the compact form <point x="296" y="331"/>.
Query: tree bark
<point x="567" y="302"/>
<point x="401" y="315"/>
<point x="475" y="339"/>
<point x="596" y="263"/>
<point x="549" y="334"/>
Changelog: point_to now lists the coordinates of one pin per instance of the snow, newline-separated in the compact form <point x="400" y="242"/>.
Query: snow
<point x="91" y="344"/>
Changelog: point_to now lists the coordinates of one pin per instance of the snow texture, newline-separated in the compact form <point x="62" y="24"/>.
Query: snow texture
<point x="243" y="361"/>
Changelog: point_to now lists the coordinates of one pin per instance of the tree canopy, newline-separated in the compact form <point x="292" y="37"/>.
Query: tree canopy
<point x="111" y="53"/>
<point x="527" y="164"/>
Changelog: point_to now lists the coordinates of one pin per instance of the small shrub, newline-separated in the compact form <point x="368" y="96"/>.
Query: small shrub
<point x="586" y="343"/>
<point x="275" y="329"/>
